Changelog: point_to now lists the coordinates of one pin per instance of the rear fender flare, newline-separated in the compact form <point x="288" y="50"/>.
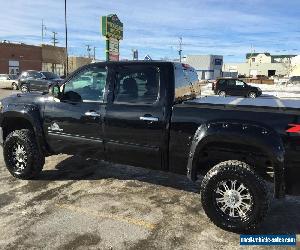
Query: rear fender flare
<point x="263" y="138"/>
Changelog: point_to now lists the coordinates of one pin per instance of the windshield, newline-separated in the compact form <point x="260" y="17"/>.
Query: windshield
<point x="50" y="75"/>
<point x="13" y="77"/>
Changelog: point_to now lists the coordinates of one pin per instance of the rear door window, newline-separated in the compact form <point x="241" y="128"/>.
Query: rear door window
<point x="137" y="84"/>
<point x="186" y="82"/>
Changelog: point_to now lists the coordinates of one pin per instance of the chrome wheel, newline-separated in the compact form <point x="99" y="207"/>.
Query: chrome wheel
<point x="19" y="155"/>
<point x="233" y="199"/>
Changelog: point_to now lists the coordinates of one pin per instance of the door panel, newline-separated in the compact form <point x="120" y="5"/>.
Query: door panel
<point x="75" y="126"/>
<point x="70" y="128"/>
<point x="134" y="121"/>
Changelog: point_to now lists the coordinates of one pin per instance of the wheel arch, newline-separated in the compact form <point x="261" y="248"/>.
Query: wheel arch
<point x="239" y="135"/>
<point x="26" y="118"/>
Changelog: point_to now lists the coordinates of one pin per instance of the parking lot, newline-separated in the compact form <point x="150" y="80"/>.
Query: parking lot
<point x="79" y="203"/>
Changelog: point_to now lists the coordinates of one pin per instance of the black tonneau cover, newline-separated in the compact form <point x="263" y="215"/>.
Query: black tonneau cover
<point x="248" y="103"/>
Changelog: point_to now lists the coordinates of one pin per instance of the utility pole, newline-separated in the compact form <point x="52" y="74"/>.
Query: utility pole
<point x="180" y="49"/>
<point x="88" y="49"/>
<point x="43" y="29"/>
<point x="54" y="39"/>
<point x="66" y="35"/>
<point x="94" y="53"/>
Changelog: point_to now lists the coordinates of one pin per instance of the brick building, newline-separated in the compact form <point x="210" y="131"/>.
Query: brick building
<point x="16" y="57"/>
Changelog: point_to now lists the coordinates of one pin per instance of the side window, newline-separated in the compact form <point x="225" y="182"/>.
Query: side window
<point x="222" y="82"/>
<point x="231" y="83"/>
<point x="137" y="84"/>
<point x="89" y="84"/>
<point x="35" y="75"/>
<point x="239" y="83"/>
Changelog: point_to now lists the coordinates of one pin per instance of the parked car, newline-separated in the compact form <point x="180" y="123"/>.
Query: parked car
<point x="32" y="80"/>
<point x="235" y="87"/>
<point x="294" y="80"/>
<point x="146" y="114"/>
<point x="9" y="81"/>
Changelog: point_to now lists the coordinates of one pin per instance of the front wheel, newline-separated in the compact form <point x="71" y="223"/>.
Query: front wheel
<point x="222" y="93"/>
<point x="234" y="197"/>
<point x="22" y="157"/>
<point x="24" y="88"/>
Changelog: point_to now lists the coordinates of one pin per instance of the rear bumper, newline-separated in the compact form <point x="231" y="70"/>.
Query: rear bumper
<point x="292" y="181"/>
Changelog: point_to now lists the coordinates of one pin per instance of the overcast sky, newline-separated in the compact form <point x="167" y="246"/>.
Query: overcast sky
<point x="225" y="27"/>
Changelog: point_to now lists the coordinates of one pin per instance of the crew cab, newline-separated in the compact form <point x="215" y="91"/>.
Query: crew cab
<point x="147" y="114"/>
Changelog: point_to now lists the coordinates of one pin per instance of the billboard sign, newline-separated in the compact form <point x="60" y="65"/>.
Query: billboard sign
<point x="112" y="27"/>
<point x="112" y="30"/>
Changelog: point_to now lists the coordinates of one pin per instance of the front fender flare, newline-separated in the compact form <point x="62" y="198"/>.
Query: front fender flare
<point x="31" y="114"/>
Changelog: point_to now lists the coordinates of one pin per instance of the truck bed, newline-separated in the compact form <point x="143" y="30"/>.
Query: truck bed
<point x="248" y="103"/>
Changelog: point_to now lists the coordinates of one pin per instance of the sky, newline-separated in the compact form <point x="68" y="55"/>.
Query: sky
<point x="230" y="28"/>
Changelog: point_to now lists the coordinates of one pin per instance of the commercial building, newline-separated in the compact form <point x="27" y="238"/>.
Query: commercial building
<point x="207" y="66"/>
<point x="76" y="62"/>
<point x="263" y="64"/>
<point x="17" y="57"/>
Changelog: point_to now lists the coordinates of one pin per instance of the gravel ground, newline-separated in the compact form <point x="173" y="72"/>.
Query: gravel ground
<point x="78" y="204"/>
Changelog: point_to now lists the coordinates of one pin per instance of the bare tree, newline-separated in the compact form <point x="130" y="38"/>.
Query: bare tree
<point x="288" y="66"/>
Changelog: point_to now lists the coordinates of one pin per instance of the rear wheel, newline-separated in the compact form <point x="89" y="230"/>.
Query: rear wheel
<point x="14" y="86"/>
<point x="24" y="88"/>
<point x="234" y="197"/>
<point x="222" y="93"/>
<point x="22" y="157"/>
<point x="252" y="95"/>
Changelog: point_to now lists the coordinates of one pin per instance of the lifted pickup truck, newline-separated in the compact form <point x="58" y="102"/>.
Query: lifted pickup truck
<point x="147" y="114"/>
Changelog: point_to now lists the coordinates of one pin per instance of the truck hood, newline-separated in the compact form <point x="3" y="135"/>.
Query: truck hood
<point x="25" y="98"/>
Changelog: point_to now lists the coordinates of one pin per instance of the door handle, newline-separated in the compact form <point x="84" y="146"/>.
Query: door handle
<point x="92" y="114"/>
<point x="149" y="118"/>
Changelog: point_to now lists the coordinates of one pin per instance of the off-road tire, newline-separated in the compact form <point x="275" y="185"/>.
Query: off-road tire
<point x="35" y="159"/>
<point x="243" y="173"/>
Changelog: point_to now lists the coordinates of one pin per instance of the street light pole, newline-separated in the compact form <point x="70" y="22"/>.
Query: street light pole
<point x="66" y="31"/>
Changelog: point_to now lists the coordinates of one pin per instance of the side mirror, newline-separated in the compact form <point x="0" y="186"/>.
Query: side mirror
<point x="54" y="90"/>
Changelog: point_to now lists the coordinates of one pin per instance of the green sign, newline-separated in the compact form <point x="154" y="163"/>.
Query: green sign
<point x="112" y="27"/>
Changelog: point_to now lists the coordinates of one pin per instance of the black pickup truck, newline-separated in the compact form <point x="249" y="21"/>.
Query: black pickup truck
<point x="147" y="114"/>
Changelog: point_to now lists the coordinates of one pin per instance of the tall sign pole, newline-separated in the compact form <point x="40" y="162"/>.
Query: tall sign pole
<point x="112" y="30"/>
<point x="66" y="34"/>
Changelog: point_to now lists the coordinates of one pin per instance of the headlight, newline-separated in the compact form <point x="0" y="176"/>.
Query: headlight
<point x="1" y="106"/>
